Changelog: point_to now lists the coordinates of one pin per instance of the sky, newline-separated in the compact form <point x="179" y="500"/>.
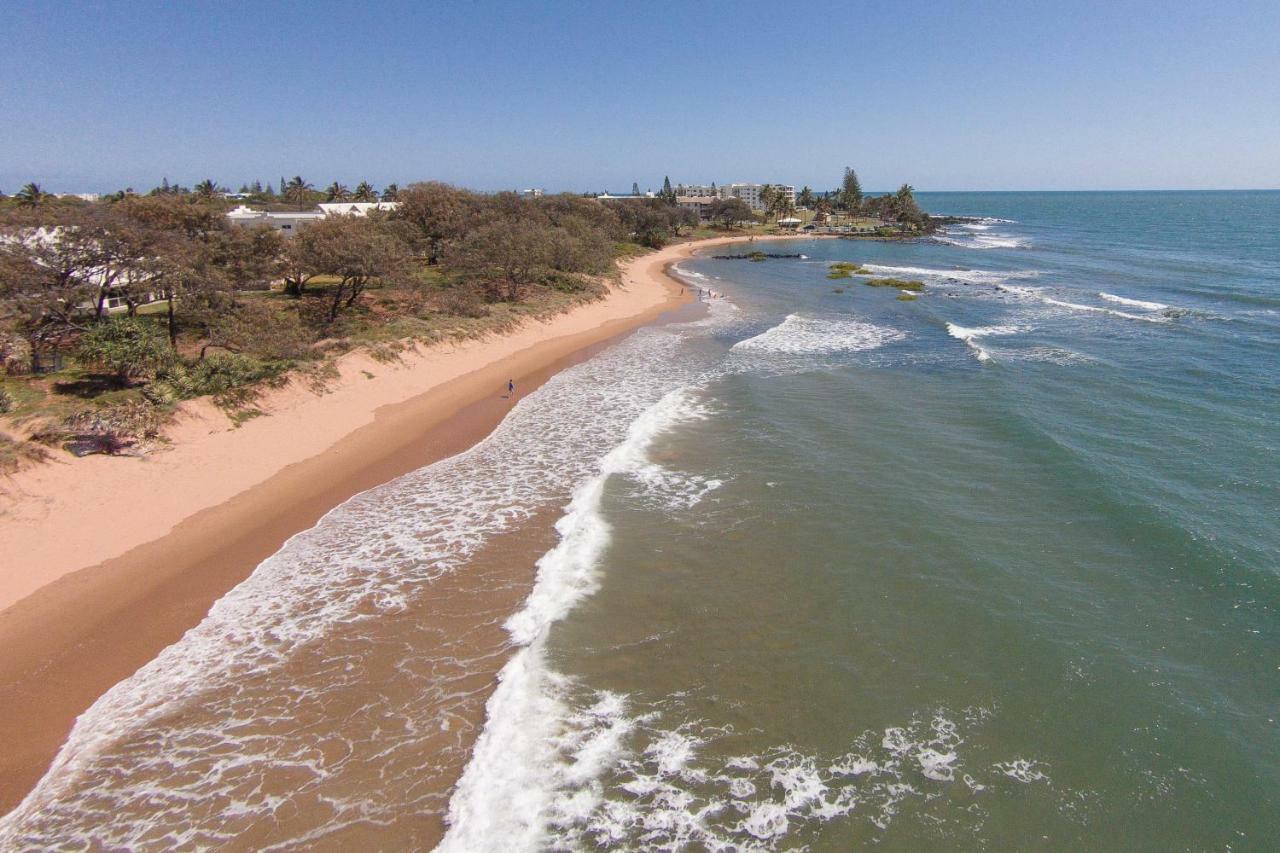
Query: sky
<point x="589" y="96"/>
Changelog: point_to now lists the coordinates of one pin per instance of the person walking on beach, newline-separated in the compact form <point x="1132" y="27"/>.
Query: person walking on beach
<point x="511" y="388"/>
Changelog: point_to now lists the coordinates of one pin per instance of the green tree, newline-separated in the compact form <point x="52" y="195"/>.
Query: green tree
<point x="668" y="194"/>
<point x="365" y="192"/>
<point x="730" y="211"/>
<point x="391" y="192"/>
<point x="206" y="189"/>
<point x="850" y="197"/>
<point x="504" y="255"/>
<point x="440" y="214"/>
<point x="354" y="249"/>
<point x="805" y="198"/>
<point x="635" y="188"/>
<point x="337" y="192"/>
<point x="297" y="191"/>
<point x="31" y="195"/>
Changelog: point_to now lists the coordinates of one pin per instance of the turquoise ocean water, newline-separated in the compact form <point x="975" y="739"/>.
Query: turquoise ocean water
<point x="995" y="568"/>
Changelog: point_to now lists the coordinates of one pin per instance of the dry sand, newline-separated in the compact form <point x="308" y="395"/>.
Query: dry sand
<point x="109" y="560"/>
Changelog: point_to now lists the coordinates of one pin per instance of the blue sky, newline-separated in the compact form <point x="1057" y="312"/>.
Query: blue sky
<point x="594" y="95"/>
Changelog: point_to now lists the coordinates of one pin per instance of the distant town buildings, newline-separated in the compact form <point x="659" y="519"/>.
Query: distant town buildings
<point x="606" y="196"/>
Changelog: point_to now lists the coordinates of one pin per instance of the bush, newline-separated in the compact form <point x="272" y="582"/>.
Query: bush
<point x="126" y="346"/>
<point x="217" y="375"/>
<point x="463" y="302"/>
<point x="6" y="402"/>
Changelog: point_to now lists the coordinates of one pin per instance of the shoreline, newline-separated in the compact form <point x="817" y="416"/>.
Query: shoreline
<point x="128" y="587"/>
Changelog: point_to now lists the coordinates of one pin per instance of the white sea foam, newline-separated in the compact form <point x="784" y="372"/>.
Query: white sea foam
<point x="798" y="335"/>
<point x="518" y="762"/>
<point x="661" y="786"/>
<point x="972" y="336"/>
<point x="1134" y="303"/>
<point x="689" y="275"/>
<point x="983" y="241"/>
<point x="971" y="276"/>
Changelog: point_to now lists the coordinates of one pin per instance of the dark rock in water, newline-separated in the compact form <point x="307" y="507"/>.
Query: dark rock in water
<point x="754" y="256"/>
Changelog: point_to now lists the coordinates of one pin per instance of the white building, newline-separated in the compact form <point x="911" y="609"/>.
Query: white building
<point x="628" y="197"/>
<point x="750" y="193"/>
<point x="290" y="223"/>
<point x="698" y="191"/>
<point x="532" y="193"/>
<point x="287" y="224"/>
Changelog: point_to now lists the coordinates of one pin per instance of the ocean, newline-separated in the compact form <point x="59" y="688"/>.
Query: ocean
<point x="995" y="567"/>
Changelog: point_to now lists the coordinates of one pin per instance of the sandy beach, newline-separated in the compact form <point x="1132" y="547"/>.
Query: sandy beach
<point x="120" y="556"/>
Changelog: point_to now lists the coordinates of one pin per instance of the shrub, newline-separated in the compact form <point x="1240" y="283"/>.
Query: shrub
<point x="6" y="402"/>
<point x="463" y="302"/>
<point x="125" y="346"/>
<point x="217" y="375"/>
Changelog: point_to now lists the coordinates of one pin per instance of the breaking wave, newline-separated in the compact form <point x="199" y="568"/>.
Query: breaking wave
<point x="1134" y="303"/>
<point x="972" y="337"/>
<point x="798" y="335"/>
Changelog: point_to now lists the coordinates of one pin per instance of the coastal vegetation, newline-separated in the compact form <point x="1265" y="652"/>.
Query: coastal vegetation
<point x="113" y="311"/>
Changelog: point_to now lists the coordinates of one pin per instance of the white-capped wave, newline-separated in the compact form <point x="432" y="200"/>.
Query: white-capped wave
<point x="1097" y="309"/>
<point x="798" y="335"/>
<point x="982" y="241"/>
<point x="1134" y="303"/>
<point x="972" y="336"/>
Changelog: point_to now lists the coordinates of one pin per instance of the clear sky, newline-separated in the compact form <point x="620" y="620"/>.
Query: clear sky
<point x="594" y="95"/>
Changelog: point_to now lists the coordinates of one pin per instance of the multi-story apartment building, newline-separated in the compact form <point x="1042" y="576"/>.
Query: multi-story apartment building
<point x="749" y="193"/>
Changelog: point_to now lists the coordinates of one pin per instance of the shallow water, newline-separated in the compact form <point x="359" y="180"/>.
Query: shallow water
<point x="993" y="567"/>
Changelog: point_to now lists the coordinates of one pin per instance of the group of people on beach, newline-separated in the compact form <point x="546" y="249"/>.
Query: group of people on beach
<point x="705" y="293"/>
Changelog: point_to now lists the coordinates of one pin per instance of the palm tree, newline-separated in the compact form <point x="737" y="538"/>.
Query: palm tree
<point x="298" y="191"/>
<point x="390" y="193"/>
<point x="338" y="192"/>
<point x="365" y="192"/>
<point x="31" y="195"/>
<point x="206" y="189"/>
